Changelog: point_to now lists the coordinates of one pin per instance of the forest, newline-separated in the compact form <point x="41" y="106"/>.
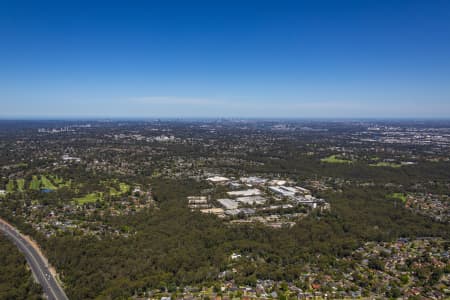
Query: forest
<point x="16" y="280"/>
<point x="173" y="247"/>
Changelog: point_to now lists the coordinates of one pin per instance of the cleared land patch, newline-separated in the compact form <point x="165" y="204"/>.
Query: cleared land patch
<point x="399" y="196"/>
<point x="334" y="159"/>
<point x="47" y="184"/>
<point x="21" y="185"/>
<point x="35" y="183"/>
<point x="10" y="186"/>
<point x="386" y="164"/>
<point x="113" y="191"/>
<point x="89" y="198"/>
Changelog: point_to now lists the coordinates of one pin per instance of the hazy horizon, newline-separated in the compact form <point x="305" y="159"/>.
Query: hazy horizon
<point x="281" y="119"/>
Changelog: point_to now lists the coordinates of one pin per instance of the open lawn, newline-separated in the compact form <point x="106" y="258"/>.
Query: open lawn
<point x="386" y="164"/>
<point x="399" y="196"/>
<point x="65" y="184"/>
<point x="89" y="198"/>
<point x="35" y="183"/>
<point x="21" y="185"/>
<point x="47" y="184"/>
<point x="59" y="182"/>
<point x="123" y="189"/>
<point x="333" y="159"/>
<point x="10" y="186"/>
<point x="20" y="165"/>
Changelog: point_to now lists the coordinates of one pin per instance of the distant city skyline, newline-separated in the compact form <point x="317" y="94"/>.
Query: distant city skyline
<point x="231" y="59"/>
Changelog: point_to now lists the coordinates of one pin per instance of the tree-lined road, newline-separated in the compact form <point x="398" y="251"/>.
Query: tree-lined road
<point x="37" y="262"/>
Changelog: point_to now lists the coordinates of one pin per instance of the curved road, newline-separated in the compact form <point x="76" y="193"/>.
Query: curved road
<point x="37" y="262"/>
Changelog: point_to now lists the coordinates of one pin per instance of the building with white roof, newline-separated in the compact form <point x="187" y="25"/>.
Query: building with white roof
<point x="228" y="203"/>
<point x="217" y="179"/>
<point x="245" y="193"/>
<point x="252" y="200"/>
<point x="288" y="191"/>
<point x="253" y="180"/>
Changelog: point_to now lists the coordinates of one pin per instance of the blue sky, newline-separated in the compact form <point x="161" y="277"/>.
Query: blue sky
<point x="305" y="59"/>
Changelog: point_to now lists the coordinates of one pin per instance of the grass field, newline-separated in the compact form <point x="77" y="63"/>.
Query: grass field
<point x="35" y="183"/>
<point x="123" y="189"/>
<point x="399" y="196"/>
<point x="59" y="182"/>
<point x="21" y="185"/>
<point x="20" y="165"/>
<point x="47" y="184"/>
<point x="10" y="186"/>
<point x="89" y="198"/>
<point x="386" y="164"/>
<point x="333" y="159"/>
<point x="66" y="184"/>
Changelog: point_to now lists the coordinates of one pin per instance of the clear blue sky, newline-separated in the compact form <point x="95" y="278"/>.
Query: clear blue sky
<point x="364" y="58"/>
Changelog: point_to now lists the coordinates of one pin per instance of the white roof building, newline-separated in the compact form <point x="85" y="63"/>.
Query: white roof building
<point x="282" y="191"/>
<point x="253" y="180"/>
<point x="197" y="200"/>
<point x="214" y="211"/>
<point x="66" y="157"/>
<point x="277" y="182"/>
<point x="228" y="203"/>
<point x="288" y="191"/>
<point x="252" y="200"/>
<point x="216" y="179"/>
<point x="245" y="193"/>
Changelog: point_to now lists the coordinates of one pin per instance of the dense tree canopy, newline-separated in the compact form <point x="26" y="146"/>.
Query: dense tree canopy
<point x="174" y="247"/>
<point x="16" y="281"/>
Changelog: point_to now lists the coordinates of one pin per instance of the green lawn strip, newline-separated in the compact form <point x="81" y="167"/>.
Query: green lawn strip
<point x="113" y="191"/>
<point x="21" y="185"/>
<point x="47" y="184"/>
<point x="35" y="183"/>
<point x="386" y="164"/>
<point x="10" y="186"/>
<point x="124" y="188"/>
<point x="89" y="198"/>
<point x="399" y="196"/>
<point x="333" y="159"/>
<point x="20" y="165"/>
<point x="65" y="184"/>
<point x="57" y="180"/>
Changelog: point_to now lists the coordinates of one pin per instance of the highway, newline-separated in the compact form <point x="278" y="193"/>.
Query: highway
<point x="37" y="262"/>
